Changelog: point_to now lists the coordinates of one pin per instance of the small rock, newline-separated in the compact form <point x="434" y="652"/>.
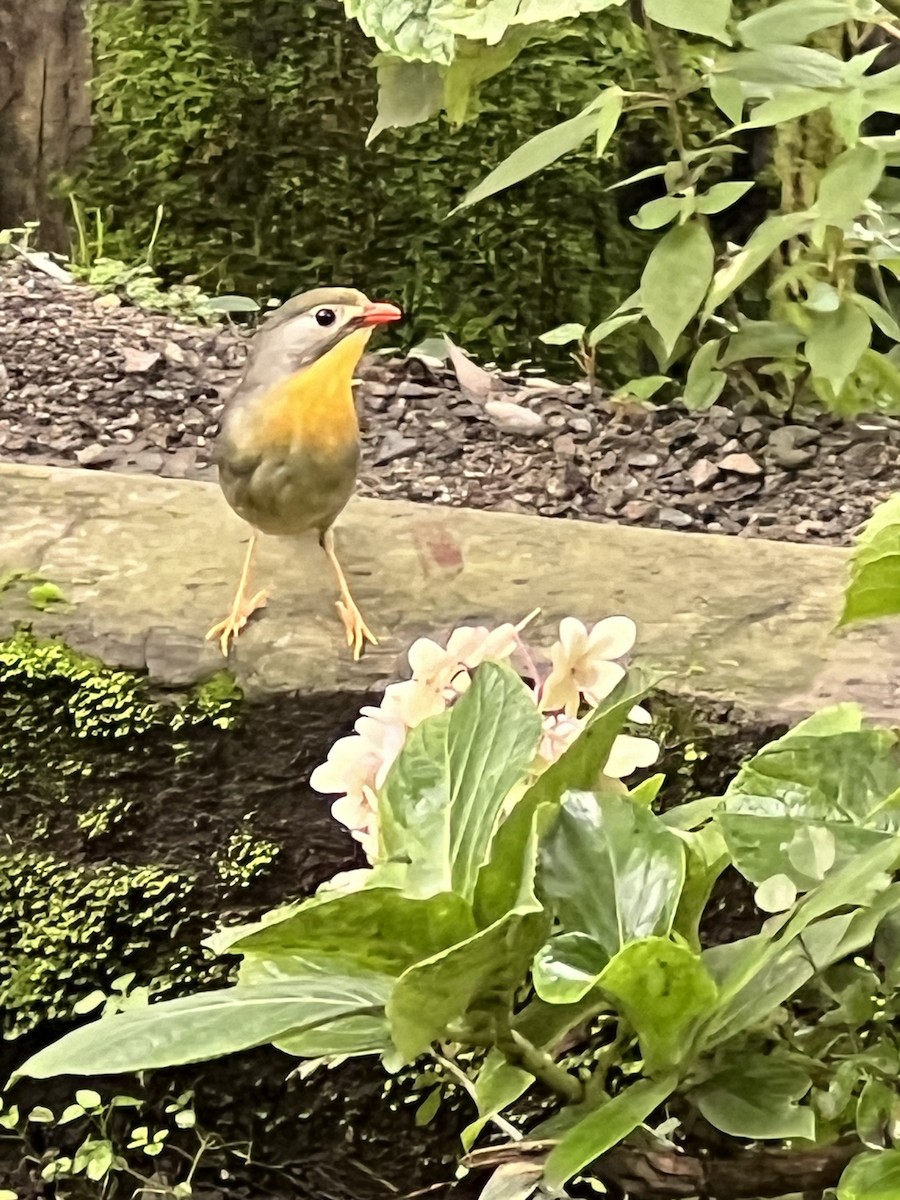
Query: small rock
<point x="408" y="389"/>
<point x="703" y="473"/>
<point x="675" y="517"/>
<point x="640" y="510"/>
<point x="137" y="361"/>
<point x="740" y="464"/>
<point x="643" y="460"/>
<point x="394" y="445"/>
<point x="173" y="353"/>
<point x="95" y="455"/>
<point x="513" y="418"/>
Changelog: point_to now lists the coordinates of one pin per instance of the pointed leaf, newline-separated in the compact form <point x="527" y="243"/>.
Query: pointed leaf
<point x="705" y="17"/>
<point x="793" y="21"/>
<point x="873" y="590"/>
<point x="611" y="870"/>
<point x="676" y="279"/>
<point x="762" y="245"/>
<point x="606" y="1127"/>
<point x="208" y="1025"/>
<point x="756" y="1096"/>
<point x="440" y="803"/>
<point x="836" y="343"/>
<point x="874" y="1176"/>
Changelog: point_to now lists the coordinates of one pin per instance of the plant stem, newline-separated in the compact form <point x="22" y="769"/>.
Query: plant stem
<point x="465" y="1082"/>
<point x="669" y="77"/>
<point x="519" y="1052"/>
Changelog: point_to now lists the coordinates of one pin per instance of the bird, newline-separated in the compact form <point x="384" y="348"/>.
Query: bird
<point x="287" y="447"/>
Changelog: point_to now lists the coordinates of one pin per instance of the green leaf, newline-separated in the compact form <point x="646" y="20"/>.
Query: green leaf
<point x="602" y="331"/>
<point x="605" y="1127"/>
<point x="408" y="93"/>
<point x="377" y="929"/>
<point x="761" y="339"/>
<point x="848" y="183"/>
<point x="610" y="869"/>
<point x="873" y="1176"/>
<point x="722" y="195"/>
<point x="577" y="769"/>
<point x="208" y="1025"/>
<point x="441" y="801"/>
<point x="484" y="971"/>
<point x="873" y="589"/>
<point x="728" y="96"/>
<point x="821" y="781"/>
<point x="233" y="304"/>
<point x="704" y="383"/>
<point x="643" y="388"/>
<point x="563" y="335"/>
<point x="705" y="17"/>
<point x="409" y="29"/>
<point x="784" y="66"/>
<point x="885" y="320"/>
<point x="763" y="243"/>
<point x="568" y="967"/>
<point x="599" y="118"/>
<point x="473" y="977"/>
<point x="662" y="989"/>
<point x="793" y="21"/>
<point x="512" y="1181"/>
<point x="676" y="279"/>
<point x="786" y="105"/>
<point x="656" y="213"/>
<point x="874" y="1113"/>
<point x="836" y="343"/>
<point x="755" y="1096"/>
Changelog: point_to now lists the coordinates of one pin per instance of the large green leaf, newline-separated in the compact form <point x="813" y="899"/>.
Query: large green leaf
<point x="793" y="21"/>
<point x="208" y="1025"/>
<point x="662" y="989"/>
<point x="763" y="243"/>
<point x="811" y="801"/>
<point x="873" y="590"/>
<point x="376" y="928"/>
<point x="408" y="29"/>
<point x="470" y="982"/>
<point x="676" y="279"/>
<point x="577" y="769"/>
<point x="761" y="71"/>
<point x="756" y="1096"/>
<point x="705" y="17"/>
<point x="612" y="870"/>
<point x="874" y="1176"/>
<point x="848" y="183"/>
<point x="492" y="18"/>
<point x="408" y="93"/>
<point x="605" y="1127"/>
<point x="598" y="120"/>
<point x="443" y="795"/>
<point x="757" y="974"/>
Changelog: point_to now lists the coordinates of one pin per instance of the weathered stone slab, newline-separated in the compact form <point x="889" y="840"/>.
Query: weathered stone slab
<point x="148" y="564"/>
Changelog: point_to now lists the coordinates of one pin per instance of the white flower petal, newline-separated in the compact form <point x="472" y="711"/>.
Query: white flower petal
<point x="640" y="716"/>
<point x="597" y="680"/>
<point x="573" y="637"/>
<point x="612" y="637"/>
<point x="629" y="754"/>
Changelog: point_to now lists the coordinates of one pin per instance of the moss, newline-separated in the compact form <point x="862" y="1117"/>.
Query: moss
<point x="76" y="735"/>
<point x="245" y="856"/>
<point x="67" y="931"/>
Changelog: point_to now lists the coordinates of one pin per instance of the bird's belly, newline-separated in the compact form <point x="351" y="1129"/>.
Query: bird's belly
<point x="292" y="492"/>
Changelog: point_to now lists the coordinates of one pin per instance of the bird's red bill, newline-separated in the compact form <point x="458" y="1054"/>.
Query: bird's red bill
<point x="380" y="314"/>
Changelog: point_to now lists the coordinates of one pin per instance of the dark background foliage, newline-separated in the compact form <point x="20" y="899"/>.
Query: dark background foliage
<point x="246" y="120"/>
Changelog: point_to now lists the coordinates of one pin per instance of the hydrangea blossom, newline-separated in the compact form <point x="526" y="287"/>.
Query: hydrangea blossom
<point x="585" y="670"/>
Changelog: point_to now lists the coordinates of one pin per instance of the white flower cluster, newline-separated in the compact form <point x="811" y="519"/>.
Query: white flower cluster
<point x="584" y="672"/>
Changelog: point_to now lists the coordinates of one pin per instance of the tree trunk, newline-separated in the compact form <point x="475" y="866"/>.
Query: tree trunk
<point x="45" y="63"/>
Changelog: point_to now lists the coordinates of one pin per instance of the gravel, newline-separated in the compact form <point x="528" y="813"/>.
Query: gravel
<point x="84" y="382"/>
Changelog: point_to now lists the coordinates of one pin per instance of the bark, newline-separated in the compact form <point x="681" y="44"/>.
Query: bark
<point x="45" y="63"/>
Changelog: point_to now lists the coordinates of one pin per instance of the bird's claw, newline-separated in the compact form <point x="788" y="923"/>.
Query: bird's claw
<point x="227" y="631"/>
<point x="358" y="632"/>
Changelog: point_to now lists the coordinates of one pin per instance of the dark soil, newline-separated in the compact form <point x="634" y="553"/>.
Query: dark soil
<point x="116" y="388"/>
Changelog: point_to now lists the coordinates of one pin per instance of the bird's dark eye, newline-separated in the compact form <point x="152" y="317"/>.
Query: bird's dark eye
<point x="325" y="316"/>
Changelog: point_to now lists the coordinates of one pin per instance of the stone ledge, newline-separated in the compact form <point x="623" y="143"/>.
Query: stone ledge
<point x="149" y="564"/>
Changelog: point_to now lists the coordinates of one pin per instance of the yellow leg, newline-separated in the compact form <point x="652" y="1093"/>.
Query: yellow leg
<point x="242" y="609"/>
<point x="358" y="632"/>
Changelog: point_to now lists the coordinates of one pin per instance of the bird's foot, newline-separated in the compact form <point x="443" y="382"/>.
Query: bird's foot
<point x="227" y="631"/>
<point x="358" y="632"/>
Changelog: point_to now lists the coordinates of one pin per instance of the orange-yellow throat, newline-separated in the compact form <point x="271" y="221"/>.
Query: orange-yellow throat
<point x="314" y="407"/>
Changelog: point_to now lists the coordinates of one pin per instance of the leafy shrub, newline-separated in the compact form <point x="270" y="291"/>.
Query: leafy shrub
<point x="520" y="894"/>
<point x="788" y="314"/>
<point x="246" y="121"/>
